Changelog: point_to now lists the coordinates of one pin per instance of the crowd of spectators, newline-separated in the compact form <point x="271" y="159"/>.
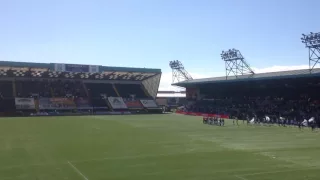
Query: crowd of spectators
<point x="53" y="88"/>
<point x="67" y="89"/>
<point x="88" y="97"/>
<point x="247" y="107"/>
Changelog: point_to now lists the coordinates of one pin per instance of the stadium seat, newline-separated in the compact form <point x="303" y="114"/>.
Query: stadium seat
<point x="96" y="89"/>
<point x="31" y="88"/>
<point x="126" y="90"/>
<point x="6" y="89"/>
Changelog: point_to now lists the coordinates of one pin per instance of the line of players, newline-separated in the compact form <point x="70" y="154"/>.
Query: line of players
<point x="280" y="122"/>
<point x="265" y="121"/>
<point x="213" y="121"/>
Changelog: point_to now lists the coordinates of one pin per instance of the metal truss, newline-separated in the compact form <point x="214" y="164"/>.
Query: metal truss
<point x="178" y="72"/>
<point x="235" y="63"/>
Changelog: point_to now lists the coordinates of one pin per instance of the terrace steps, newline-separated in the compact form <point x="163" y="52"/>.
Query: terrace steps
<point x="116" y="90"/>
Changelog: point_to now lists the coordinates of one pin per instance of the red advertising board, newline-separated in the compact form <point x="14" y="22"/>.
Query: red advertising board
<point x="56" y="103"/>
<point x="82" y="103"/>
<point x="202" y="114"/>
<point x="133" y="104"/>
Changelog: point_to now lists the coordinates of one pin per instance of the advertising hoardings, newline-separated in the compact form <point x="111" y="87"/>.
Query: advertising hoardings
<point x="133" y="104"/>
<point x="24" y="103"/>
<point x="56" y="103"/>
<point x="82" y="103"/>
<point x="117" y="103"/>
<point x="149" y="103"/>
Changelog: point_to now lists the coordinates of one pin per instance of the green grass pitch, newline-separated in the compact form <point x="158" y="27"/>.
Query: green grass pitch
<point x="155" y="147"/>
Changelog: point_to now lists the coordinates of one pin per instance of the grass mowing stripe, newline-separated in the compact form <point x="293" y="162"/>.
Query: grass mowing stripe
<point x="274" y="172"/>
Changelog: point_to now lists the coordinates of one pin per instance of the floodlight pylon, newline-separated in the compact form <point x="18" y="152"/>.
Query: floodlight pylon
<point x="235" y="63"/>
<point x="178" y="72"/>
<point x="312" y="42"/>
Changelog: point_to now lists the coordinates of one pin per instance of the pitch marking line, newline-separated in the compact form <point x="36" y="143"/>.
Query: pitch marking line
<point x="98" y="159"/>
<point x="78" y="171"/>
<point x="239" y="177"/>
<point x="133" y="157"/>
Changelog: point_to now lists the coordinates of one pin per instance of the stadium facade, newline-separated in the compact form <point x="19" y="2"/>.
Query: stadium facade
<point x="39" y="88"/>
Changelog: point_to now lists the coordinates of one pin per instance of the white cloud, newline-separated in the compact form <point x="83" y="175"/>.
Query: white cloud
<point x="166" y="78"/>
<point x="279" y="68"/>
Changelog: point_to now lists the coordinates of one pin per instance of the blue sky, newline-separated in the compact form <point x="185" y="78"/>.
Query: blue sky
<point x="150" y="33"/>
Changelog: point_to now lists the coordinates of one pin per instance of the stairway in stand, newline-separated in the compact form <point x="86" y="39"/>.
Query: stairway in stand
<point x="115" y="89"/>
<point x="36" y="103"/>
<point x="14" y="89"/>
<point x="51" y="91"/>
<point x="85" y="88"/>
<point x="108" y="104"/>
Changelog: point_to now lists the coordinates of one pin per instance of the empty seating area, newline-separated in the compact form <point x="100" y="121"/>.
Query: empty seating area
<point x="6" y="89"/>
<point x="96" y="89"/>
<point x="67" y="88"/>
<point x="99" y="103"/>
<point x="33" y="88"/>
<point x="52" y="88"/>
<point x="7" y="105"/>
<point x="126" y="90"/>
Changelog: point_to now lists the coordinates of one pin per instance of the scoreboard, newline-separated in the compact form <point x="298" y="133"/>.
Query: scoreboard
<point x="76" y="68"/>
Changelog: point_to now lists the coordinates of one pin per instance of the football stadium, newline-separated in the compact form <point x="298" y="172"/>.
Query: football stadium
<point x="85" y="122"/>
<point x="64" y="121"/>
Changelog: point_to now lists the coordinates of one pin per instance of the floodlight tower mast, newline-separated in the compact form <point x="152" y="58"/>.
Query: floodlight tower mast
<point x="312" y="42"/>
<point x="178" y="71"/>
<point x="235" y="63"/>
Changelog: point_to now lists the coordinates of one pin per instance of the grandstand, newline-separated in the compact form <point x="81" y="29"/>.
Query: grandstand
<point x="291" y="94"/>
<point x="42" y="88"/>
